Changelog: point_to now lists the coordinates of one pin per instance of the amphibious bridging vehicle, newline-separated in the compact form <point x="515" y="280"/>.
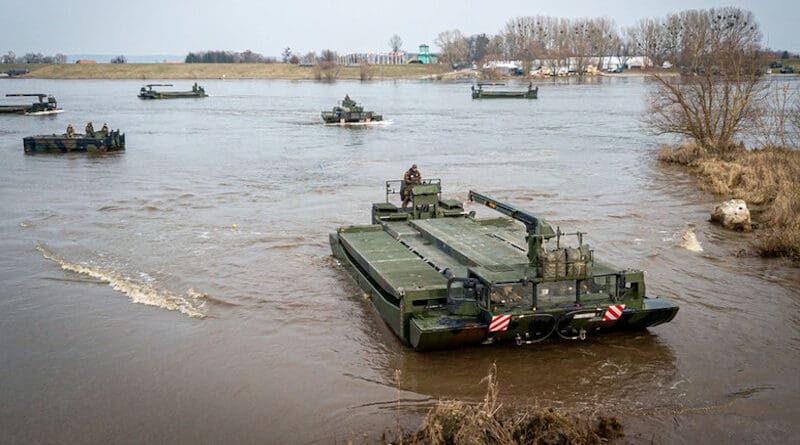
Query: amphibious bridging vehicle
<point x="480" y="92"/>
<point x="442" y="278"/>
<point x="50" y="106"/>
<point x="147" y="92"/>
<point x="99" y="142"/>
<point x="349" y="113"/>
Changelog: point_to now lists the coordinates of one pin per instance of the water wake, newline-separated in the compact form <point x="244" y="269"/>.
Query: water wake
<point x="138" y="292"/>
<point x="689" y="241"/>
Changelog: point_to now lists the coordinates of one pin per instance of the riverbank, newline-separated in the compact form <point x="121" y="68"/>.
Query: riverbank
<point x="766" y="179"/>
<point x="145" y="71"/>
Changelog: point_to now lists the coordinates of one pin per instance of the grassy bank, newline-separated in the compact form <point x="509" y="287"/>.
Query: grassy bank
<point x="768" y="179"/>
<point x="145" y="71"/>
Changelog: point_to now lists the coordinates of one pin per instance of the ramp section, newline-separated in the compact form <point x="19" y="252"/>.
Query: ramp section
<point x="391" y="265"/>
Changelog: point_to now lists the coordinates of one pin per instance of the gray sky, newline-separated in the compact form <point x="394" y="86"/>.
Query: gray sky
<point x="146" y="27"/>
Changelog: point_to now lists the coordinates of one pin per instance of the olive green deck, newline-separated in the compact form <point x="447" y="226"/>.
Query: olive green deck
<point x="396" y="269"/>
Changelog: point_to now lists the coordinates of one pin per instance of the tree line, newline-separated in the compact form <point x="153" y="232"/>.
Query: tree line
<point x="10" y="57"/>
<point x="227" y="57"/>
<point x="558" y="41"/>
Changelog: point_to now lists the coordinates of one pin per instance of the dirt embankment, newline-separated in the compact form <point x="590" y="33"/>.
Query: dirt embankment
<point x="219" y="71"/>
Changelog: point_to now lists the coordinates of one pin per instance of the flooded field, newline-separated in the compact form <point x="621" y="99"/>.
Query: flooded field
<point x="183" y="291"/>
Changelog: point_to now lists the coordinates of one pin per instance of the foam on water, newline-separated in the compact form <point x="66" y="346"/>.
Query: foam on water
<point x="689" y="241"/>
<point x="138" y="292"/>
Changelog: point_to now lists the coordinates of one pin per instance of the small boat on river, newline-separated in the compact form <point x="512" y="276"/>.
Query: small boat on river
<point x="91" y="142"/>
<point x="482" y="92"/>
<point x="350" y="113"/>
<point x="40" y="108"/>
<point x="147" y="92"/>
<point x="442" y="278"/>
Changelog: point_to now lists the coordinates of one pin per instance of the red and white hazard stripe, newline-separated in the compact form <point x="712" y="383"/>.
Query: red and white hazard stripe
<point x="499" y="323"/>
<point x="613" y="312"/>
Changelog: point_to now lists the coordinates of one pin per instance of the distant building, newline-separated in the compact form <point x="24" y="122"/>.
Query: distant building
<point x="86" y="62"/>
<point x="397" y="58"/>
<point x="425" y="57"/>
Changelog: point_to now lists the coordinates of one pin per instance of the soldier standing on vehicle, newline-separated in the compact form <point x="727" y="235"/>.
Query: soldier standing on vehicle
<point x="412" y="177"/>
<point x="70" y="131"/>
<point x="104" y="130"/>
<point x="90" y="130"/>
<point x="347" y="102"/>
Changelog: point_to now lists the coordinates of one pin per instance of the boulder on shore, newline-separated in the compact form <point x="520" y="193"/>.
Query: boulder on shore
<point x="733" y="214"/>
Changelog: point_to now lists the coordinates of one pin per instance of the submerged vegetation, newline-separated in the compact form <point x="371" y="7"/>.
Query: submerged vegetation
<point x="488" y="422"/>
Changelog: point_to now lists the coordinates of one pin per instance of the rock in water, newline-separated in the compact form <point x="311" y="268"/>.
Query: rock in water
<point x="733" y="214"/>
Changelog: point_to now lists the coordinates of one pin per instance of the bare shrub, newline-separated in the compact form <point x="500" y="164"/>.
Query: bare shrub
<point x="366" y="71"/>
<point x="688" y="153"/>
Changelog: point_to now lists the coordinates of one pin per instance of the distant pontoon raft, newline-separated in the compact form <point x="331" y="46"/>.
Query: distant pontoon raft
<point x="97" y="142"/>
<point x="43" y="107"/>
<point x="147" y="92"/>
<point x="481" y="92"/>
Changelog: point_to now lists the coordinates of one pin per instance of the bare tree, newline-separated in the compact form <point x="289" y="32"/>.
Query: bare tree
<point x="579" y="40"/>
<point x="525" y="39"/>
<point x="454" y="47"/>
<point x="119" y="59"/>
<point x="716" y="101"/>
<point x="327" y="68"/>
<point x="603" y="38"/>
<point x="649" y="35"/>
<point x="286" y="54"/>
<point x="395" y="43"/>
<point x="310" y="58"/>
<point x="9" y="57"/>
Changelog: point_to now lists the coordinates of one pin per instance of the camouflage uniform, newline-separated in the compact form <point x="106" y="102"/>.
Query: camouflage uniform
<point x="347" y="102"/>
<point x="89" y="130"/>
<point x="410" y="178"/>
<point x="70" y="131"/>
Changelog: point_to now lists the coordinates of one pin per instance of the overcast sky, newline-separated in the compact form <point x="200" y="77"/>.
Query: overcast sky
<point x="148" y="27"/>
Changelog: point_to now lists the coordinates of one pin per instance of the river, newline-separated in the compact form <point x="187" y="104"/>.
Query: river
<point x="183" y="291"/>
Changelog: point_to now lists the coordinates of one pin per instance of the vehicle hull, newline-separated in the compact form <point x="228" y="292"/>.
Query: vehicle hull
<point x="422" y="316"/>
<point x="350" y="117"/>
<point x="100" y="143"/>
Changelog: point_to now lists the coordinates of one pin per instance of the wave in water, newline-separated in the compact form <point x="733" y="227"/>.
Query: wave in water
<point x="689" y="241"/>
<point x="138" y="292"/>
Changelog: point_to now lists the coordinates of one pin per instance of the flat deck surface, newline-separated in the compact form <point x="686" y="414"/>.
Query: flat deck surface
<point x="412" y="255"/>
<point x="477" y="243"/>
<point x="390" y="263"/>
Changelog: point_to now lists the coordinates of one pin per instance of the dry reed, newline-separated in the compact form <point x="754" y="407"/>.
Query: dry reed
<point x="768" y="177"/>
<point x="456" y="422"/>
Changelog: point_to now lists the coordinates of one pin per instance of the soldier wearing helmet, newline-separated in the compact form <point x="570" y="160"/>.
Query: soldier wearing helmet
<point x="410" y="178"/>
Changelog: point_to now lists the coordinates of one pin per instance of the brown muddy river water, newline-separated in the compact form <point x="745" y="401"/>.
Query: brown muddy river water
<point x="183" y="291"/>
